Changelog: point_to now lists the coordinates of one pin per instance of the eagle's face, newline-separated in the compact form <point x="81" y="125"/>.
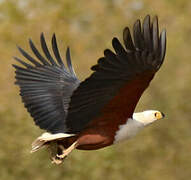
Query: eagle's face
<point x="148" y="117"/>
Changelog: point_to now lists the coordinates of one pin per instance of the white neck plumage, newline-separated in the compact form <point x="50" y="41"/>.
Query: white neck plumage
<point x="135" y="124"/>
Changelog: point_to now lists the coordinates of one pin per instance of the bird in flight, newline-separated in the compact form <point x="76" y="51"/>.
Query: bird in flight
<point x="98" y="111"/>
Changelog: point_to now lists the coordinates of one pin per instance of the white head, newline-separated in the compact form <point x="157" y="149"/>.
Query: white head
<point x="148" y="117"/>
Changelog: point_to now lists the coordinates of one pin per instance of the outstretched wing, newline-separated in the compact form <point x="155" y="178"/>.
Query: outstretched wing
<point x="46" y="85"/>
<point x="119" y="79"/>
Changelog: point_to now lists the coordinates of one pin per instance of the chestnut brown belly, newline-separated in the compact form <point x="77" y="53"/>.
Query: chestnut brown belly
<point x="91" y="139"/>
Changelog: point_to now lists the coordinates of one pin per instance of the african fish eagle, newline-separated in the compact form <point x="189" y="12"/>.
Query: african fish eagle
<point x="98" y="111"/>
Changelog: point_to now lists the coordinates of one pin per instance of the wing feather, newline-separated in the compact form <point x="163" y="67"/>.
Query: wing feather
<point x="46" y="86"/>
<point x="119" y="79"/>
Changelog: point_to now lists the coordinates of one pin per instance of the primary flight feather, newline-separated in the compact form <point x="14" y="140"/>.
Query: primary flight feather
<point x="98" y="111"/>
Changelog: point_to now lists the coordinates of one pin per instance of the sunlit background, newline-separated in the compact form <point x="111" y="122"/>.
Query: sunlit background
<point x="161" y="151"/>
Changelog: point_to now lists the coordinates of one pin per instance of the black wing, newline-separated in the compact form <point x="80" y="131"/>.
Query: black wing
<point x="119" y="79"/>
<point x="46" y="86"/>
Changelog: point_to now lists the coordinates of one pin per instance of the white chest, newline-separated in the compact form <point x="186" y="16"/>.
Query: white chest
<point x="128" y="130"/>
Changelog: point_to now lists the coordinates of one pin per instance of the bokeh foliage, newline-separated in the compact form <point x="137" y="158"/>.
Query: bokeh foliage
<point x="161" y="151"/>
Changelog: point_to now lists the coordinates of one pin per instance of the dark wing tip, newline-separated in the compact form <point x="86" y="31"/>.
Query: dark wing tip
<point x="147" y="20"/>
<point x="46" y="59"/>
<point x="155" y="33"/>
<point x="146" y="38"/>
<point x="115" y="43"/>
<point x="37" y="53"/>
<point x="56" y="50"/>
<point x="69" y="62"/>
<point x="146" y="23"/>
<point x="41" y="35"/>
<point x="19" y="48"/>
<point x="54" y="38"/>
<point x="137" y="26"/>
<point x="138" y="36"/>
<point x="27" y="56"/>
<point x="147" y="17"/>
<point x="162" y="45"/>
<point x="46" y="50"/>
<point x="127" y="39"/>
<point x="114" y="40"/>
<point x="155" y="18"/>
<point x="22" y="62"/>
<point x="147" y="32"/>
<point x="117" y="46"/>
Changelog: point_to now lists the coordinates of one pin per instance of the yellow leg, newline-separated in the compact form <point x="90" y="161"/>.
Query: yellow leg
<point x="67" y="151"/>
<point x="53" y="147"/>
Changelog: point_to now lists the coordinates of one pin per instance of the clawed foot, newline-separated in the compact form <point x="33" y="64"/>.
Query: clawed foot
<point x="59" y="158"/>
<point x="53" y="147"/>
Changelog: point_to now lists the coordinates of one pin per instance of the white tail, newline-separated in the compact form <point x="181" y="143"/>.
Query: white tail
<point x="46" y="137"/>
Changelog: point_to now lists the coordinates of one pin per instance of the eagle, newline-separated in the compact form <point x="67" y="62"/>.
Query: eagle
<point x="99" y="111"/>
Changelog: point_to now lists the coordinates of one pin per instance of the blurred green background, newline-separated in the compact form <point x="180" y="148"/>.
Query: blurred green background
<point x="161" y="151"/>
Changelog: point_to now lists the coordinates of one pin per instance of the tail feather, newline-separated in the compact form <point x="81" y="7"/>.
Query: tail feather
<point x="47" y="137"/>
